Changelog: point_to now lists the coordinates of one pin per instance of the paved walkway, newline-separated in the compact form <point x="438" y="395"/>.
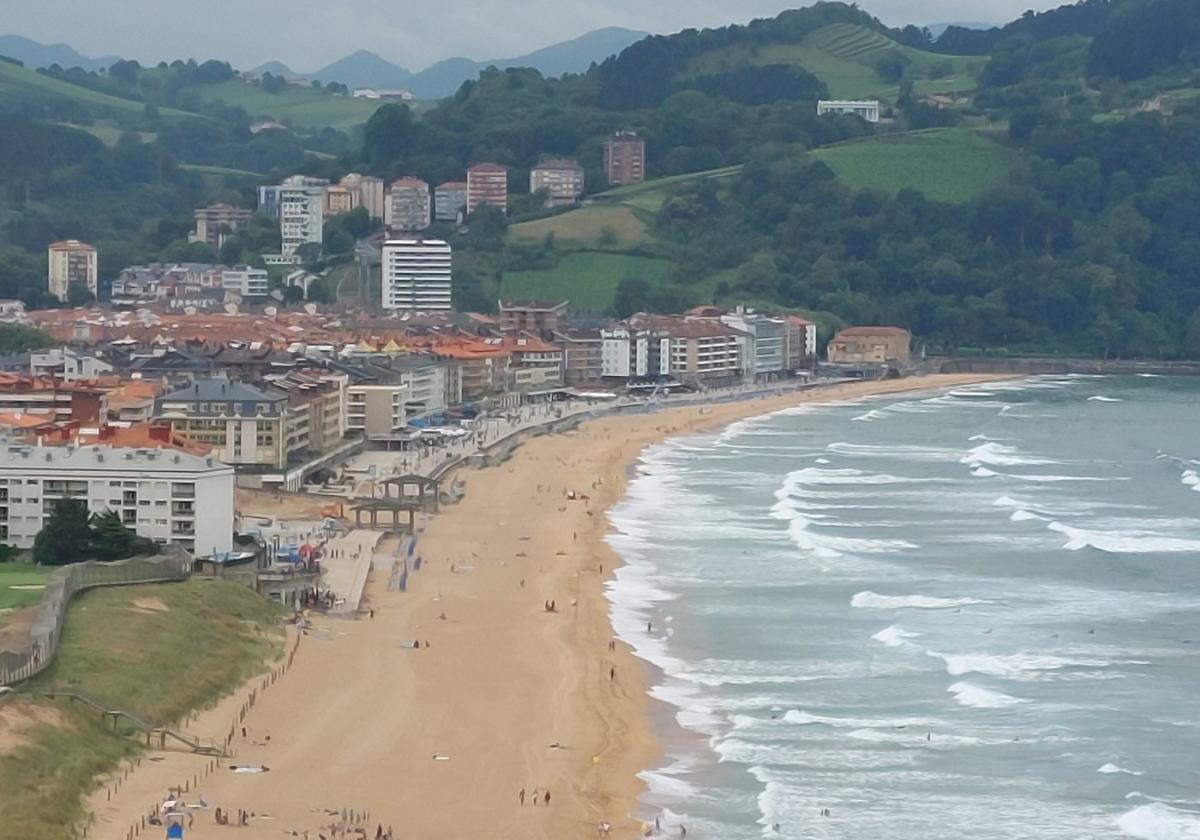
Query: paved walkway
<point x="346" y="562"/>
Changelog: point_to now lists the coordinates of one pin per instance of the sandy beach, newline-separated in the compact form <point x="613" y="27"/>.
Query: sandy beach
<point x="503" y="695"/>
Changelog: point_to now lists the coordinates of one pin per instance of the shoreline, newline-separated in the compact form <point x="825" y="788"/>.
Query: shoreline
<point x="503" y="695"/>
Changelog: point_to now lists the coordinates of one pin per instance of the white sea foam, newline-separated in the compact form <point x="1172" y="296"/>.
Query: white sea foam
<point x="1113" y="768"/>
<point x="1018" y="666"/>
<point x="801" y="718"/>
<point x="1122" y="542"/>
<point x="906" y="453"/>
<point x="1102" y="398"/>
<point x="1000" y="455"/>
<point x="894" y="636"/>
<point x="983" y="472"/>
<point x="1023" y="516"/>
<point x="874" y="601"/>
<point x="665" y="784"/>
<point x="1051" y="479"/>
<point x="1157" y="821"/>
<point x="978" y="697"/>
<point x="822" y="461"/>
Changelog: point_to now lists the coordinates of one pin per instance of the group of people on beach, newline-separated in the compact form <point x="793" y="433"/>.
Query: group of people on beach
<point x="538" y="793"/>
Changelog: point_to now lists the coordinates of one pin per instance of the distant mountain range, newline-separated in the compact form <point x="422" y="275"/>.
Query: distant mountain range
<point x="368" y="69"/>
<point x="32" y="54"/>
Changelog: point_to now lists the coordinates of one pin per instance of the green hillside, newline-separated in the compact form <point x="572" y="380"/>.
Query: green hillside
<point x="844" y="55"/>
<point x="588" y="279"/>
<point x="300" y="107"/>
<point x="945" y="164"/>
<point x="20" y="82"/>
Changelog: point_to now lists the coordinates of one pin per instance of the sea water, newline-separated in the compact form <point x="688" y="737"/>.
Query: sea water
<point x="946" y="615"/>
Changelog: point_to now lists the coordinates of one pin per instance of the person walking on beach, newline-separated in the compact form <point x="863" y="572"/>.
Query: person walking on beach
<point x="547" y="799"/>
<point x="521" y="796"/>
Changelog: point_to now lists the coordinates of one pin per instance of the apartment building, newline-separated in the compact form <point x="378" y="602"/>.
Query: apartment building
<point x="246" y="281"/>
<point x="165" y="495"/>
<point x="270" y="196"/>
<point x="215" y="223"/>
<point x="63" y="402"/>
<point x="339" y="199"/>
<point x="416" y="275"/>
<point x="765" y="343"/>
<point x="868" y="109"/>
<point x="541" y="317"/>
<point x="67" y="364"/>
<point x="72" y="262"/>
<point x="625" y="159"/>
<point x="316" y="409"/>
<point x="534" y="365"/>
<point x="560" y="178"/>
<point x="582" y="356"/>
<point x="697" y="351"/>
<point x="630" y="352"/>
<point x="370" y="191"/>
<point x="450" y="201"/>
<point x="377" y="411"/>
<point x="801" y="342"/>
<point x="407" y="207"/>
<point x="301" y="216"/>
<point x="487" y="184"/>
<point x="245" y="426"/>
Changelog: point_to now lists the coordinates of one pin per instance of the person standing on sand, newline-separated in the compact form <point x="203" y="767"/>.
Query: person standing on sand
<point x="521" y="796"/>
<point x="612" y="674"/>
<point x="547" y="799"/>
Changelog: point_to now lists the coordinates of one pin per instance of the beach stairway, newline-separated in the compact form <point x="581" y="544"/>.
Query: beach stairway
<point x="153" y="733"/>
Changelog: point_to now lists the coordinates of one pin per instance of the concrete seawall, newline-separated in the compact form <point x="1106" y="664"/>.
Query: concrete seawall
<point x="1062" y="367"/>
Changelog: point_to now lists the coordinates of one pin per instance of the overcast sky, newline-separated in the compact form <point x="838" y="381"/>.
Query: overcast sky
<point x="307" y="34"/>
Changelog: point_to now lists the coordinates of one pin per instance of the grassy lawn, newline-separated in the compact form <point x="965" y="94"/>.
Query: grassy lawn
<point x="843" y="55"/>
<point x="108" y="132"/>
<point x="21" y="575"/>
<point x="946" y="164"/>
<point x="158" y="651"/>
<point x="585" y="226"/>
<point x="220" y="170"/>
<point x="297" y="106"/>
<point x="588" y="279"/>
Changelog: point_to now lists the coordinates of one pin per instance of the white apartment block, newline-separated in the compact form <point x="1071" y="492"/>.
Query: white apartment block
<point x="164" y="495"/>
<point x="416" y="275"/>
<point x="626" y="353"/>
<point x="246" y="281"/>
<point x="561" y="179"/>
<point x="377" y="412"/>
<point x="868" y="109"/>
<point x="72" y="262"/>
<point x="301" y="216"/>
<point x="408" y="205"/>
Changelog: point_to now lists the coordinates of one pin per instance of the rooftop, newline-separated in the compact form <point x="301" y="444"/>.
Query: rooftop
<point x="487" y="167"/>
<point x="852" y="332"/>
<point x="220" y="389"/>
<point x="537" y="305"/>
<point x="109" y="458"/>
<point x="71" y="245"/>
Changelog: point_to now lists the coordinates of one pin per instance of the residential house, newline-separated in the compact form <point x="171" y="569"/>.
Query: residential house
<point x="868" y="109"/>
<point x="560" y="178"/>
<point x="245" y="426"/>
<point x="541" y="317"/>
<point x="67" y="364"/>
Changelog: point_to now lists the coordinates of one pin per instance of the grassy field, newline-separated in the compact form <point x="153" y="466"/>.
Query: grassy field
<point x="158" y="651"/>
<point x="219" y="170"/>
<point x="946" y="164"/>
<point x="585" y="226"/>
<point x="297" y="106"/>
<point x="843" y="55"/>
<point x="587" y="278"/>
<point x="20" y="574"/>
<point x="22" y="81"/>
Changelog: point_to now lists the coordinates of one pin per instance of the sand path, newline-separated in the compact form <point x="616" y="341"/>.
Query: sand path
<point x="357" y="721"/>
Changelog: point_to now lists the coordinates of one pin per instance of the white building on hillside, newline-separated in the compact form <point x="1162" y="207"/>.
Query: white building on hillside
<point x="165" y="495"/>
<point x="246" y="281"/>
<point x="868" y="109"/>
<point x="301" y="216"/>
<point x="416" y="275"/>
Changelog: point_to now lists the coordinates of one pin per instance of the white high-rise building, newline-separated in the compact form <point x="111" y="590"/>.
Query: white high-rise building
<point x="301" y="216"/>
<point x="416" y="275"/>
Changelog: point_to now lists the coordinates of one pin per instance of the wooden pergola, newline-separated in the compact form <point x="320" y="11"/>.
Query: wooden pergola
<point x="396" y="507"/>
<point x="416" y="490"/>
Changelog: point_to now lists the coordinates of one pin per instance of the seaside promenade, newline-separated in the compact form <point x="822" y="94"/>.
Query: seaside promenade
<point x="438" y="741"/>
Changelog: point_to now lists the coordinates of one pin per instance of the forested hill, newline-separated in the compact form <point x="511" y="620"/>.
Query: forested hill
<point x="1032" y="187"/>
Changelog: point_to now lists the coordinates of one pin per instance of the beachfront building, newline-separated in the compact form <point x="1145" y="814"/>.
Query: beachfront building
<point x="416" y="275"/>
<point x="407" y="207"/>
<point x="630" y="352"/>
<point x="166" y="495"/>
<point x="625" y="159"/>
<point x="582" y="356"/>
<point x="535" y="366"/>
<point x="801" y="338"/>
<point x="696" y="351"/>
<point x="868" y="109"/>
<point x="215" y="223"/>
<point x="764" y="343"/>
<point x="72" y="263"/>
<point x="450" y="201"/>
<point x="487" y="185"/>
<point x="377" y="411"/>
<point x="560" y="178"/>
<point x="870" y="345"/>
<point x="244" y="425"/>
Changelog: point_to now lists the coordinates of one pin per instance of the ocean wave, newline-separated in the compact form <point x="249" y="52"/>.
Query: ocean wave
<point x="1023" y="516"/>
<point x="906" y="453"/>
<point x="801" y="718"/>
<point x="873" y="601"/>
<point x="1157" y="821"/>
<point x="983" y="472"/>
<point x="668" y="785"/>
<point x="894" y="636"/>
<point x="1102" y="398"/>
<point x="1057" y="478"/>
<point x="977" y="697"/>
<point x="1122" y="542"/>
<point x="1019" y="666"/>
<point x="999" y="455"/>
<point x="817" y="476"/>
<point x="1113" y="768"/>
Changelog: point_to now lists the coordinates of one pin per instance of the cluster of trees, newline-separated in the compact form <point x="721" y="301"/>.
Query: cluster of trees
<point x="71" y="536"/>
